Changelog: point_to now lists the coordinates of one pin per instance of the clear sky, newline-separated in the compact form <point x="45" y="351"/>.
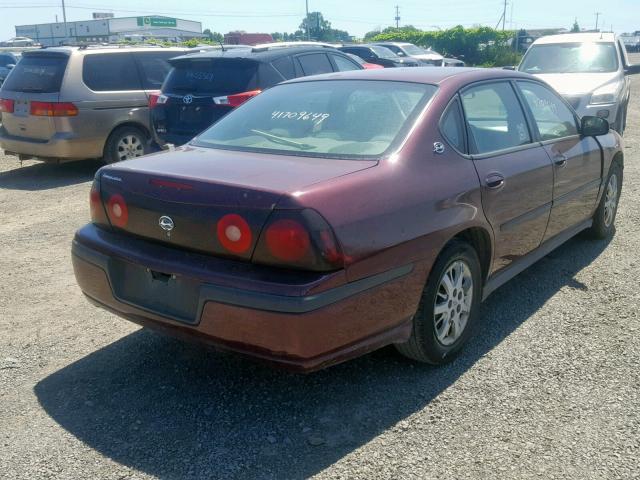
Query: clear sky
<point x="355" y="16"/>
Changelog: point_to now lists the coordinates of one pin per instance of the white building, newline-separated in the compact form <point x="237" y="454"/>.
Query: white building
<point x="112" y="30"/>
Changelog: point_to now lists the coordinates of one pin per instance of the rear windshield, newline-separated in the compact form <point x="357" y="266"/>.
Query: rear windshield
<point x="207" y="75"/>
<point x="37" y="74"/>
<point x="330" y="119"/>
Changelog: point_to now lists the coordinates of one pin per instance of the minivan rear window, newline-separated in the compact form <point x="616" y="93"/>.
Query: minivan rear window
<point x="212" y="75"/>
<point x="37" y="74"/>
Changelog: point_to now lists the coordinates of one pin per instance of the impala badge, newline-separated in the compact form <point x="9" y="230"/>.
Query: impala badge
<point x="166" y="224"/>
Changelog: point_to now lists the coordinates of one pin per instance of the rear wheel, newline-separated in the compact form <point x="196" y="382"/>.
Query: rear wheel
<point x="125" y="143"/>
<point x="605" y="216"/>
<point x="448" y="308"/>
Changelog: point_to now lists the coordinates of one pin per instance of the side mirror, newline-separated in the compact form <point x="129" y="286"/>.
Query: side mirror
<point x="632" y="69"/>
<point x="509" y="67"/>
<point x="594" y="126"/>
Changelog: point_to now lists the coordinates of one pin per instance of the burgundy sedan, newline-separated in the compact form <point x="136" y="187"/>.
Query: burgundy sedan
<point x="333" y="215"/>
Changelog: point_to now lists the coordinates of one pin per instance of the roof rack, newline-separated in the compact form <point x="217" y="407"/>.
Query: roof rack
<point x="263" y="47"/>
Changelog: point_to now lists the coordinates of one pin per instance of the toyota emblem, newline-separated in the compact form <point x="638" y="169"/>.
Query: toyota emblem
<point x="166" y="223"/>
<point x="188" y="99"/>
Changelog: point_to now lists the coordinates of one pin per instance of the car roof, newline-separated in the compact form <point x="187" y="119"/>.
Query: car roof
<point x="264" y="55"/>
<point x="433" y="76"/>
<point x="91" y="49"/>
<point x="576" y="38"/>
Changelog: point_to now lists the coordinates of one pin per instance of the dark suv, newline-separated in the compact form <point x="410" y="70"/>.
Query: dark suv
<point x="380" y="55"/>
<point x="201" y="88"/>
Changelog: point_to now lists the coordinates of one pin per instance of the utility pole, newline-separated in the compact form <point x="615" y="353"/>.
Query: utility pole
<point x="597" y="18"/>
<point x="397" y="16"/>
<point x="64" y="19"/>
<point x="504" y="14"/>
<point x="306" y="20"/>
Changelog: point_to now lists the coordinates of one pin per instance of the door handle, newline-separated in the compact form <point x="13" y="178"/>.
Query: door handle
<point x="494" y="181"/>
<point x="560" y="160"/>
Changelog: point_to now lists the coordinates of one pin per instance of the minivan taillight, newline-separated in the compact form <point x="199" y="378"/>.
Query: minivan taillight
<point x="53" y="109"/>
<point x="156" y="99"/>
<point x="236" y="99"/>
<point x="299" y="239"/>
<point x="6" y="105"/>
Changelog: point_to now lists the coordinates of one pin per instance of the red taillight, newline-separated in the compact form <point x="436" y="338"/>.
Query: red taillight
<point x="95" y="205"/>
<point x="234" y="233"/>
<point x="299" y="239"/>
<point x="235" y="100"/>
<point x="6" y="105"/>
<point x="287" y="240"/>
<point x="117" y="211"/>
<point x="53" y="109"/>
<point x="156" y="99"/>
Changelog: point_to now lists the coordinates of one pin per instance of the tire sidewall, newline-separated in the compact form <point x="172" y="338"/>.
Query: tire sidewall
<point x="436" y="351"/>
<point x="111" y="153"/>
<point x="600" y="228"/>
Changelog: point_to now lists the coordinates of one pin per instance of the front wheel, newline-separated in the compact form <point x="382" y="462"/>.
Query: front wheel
<point x="605" y="216"/>
<point x="448" y="308"/>
<point x="125" y="143"/>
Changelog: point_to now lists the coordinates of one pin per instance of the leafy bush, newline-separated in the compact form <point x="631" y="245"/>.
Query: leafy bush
<point x="476" y="46"/>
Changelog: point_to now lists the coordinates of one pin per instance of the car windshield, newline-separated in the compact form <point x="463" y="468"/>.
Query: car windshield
<point x="383" y="52"/>
<point x="330" y="119"/>
<point x="413" y="50"/>
<point x="570" y="58"/>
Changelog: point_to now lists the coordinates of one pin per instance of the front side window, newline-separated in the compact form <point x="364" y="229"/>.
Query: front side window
<point x="588" y="57"/>
<point x="315" y="64"/>
<point x="110" y="72"/>
<point x="328" y="119"/>
<point x="553" y="118"/>
<point x="495" y="119"/>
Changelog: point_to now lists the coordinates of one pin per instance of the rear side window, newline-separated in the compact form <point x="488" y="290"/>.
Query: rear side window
<point x="37" y="74"/>
<point x="155" y="67"/>
<point x="344" y="64"/>
<point x="212" y="75"/>
<point x="452" y="126"/>
<point x="315" y="64"/>
<point x="496" y="120"/>
<point x="284" y="65"/>
<point x="109" y="72"/>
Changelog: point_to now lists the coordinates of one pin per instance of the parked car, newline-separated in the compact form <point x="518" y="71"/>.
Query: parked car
<point x="332" y="215"/>
<point x="8" y="60"/>
<point x="631" y="41"/>
<point x="453" y="62"/>
<point x="379" y="55"/>
<point x="589" y="69"/>
<point x="202" y="88"/>
<point x="409" y="50"/>
<point x="71" y="103"/>
<point x="365" y="65"/>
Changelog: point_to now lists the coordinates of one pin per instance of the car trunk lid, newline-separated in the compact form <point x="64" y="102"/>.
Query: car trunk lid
<point x="194" y="188"/>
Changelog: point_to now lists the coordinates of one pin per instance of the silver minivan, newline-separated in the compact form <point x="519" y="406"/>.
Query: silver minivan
<point x="71" y="103"/>
<point x="589" y="69"/>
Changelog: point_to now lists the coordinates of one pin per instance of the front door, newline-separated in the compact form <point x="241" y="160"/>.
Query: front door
<point x="514" y="171"/>
<point x="576" y="160"/>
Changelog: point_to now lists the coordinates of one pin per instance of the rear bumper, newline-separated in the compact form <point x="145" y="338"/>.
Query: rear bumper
<point x="63" y="145"/>
<point x="301" y="325"/>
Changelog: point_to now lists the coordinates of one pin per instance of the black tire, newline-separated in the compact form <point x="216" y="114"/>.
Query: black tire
<point x="621" y="121"/>
<point x="113" y="150"/>
<point x="424" y="344"/>
<point x="604" y="224"/>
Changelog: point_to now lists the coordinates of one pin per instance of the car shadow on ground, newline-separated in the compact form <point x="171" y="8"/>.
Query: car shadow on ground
<point x="45" y="176"/>
<point x="175" y="410"/>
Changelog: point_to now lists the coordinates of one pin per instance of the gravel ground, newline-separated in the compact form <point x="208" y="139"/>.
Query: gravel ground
<point x="549" y="388"/>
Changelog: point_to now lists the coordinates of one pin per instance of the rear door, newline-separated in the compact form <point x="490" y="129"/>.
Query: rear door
<point x="577" y="161"/>
<point x="37" y="77"/>
<point x="514" y="170"/>
<point x="191" y="87"/>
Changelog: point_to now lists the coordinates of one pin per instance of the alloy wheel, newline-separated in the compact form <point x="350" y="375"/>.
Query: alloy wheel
<point x="129" y="146"/>
<point x="453" y="302"/>
<point x="611" y="200"/>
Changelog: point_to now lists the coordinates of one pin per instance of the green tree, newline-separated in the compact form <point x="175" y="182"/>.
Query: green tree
<point x="576" y="27"/>
<point x="213" y="36"/>
<point x="315" y="25"/>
